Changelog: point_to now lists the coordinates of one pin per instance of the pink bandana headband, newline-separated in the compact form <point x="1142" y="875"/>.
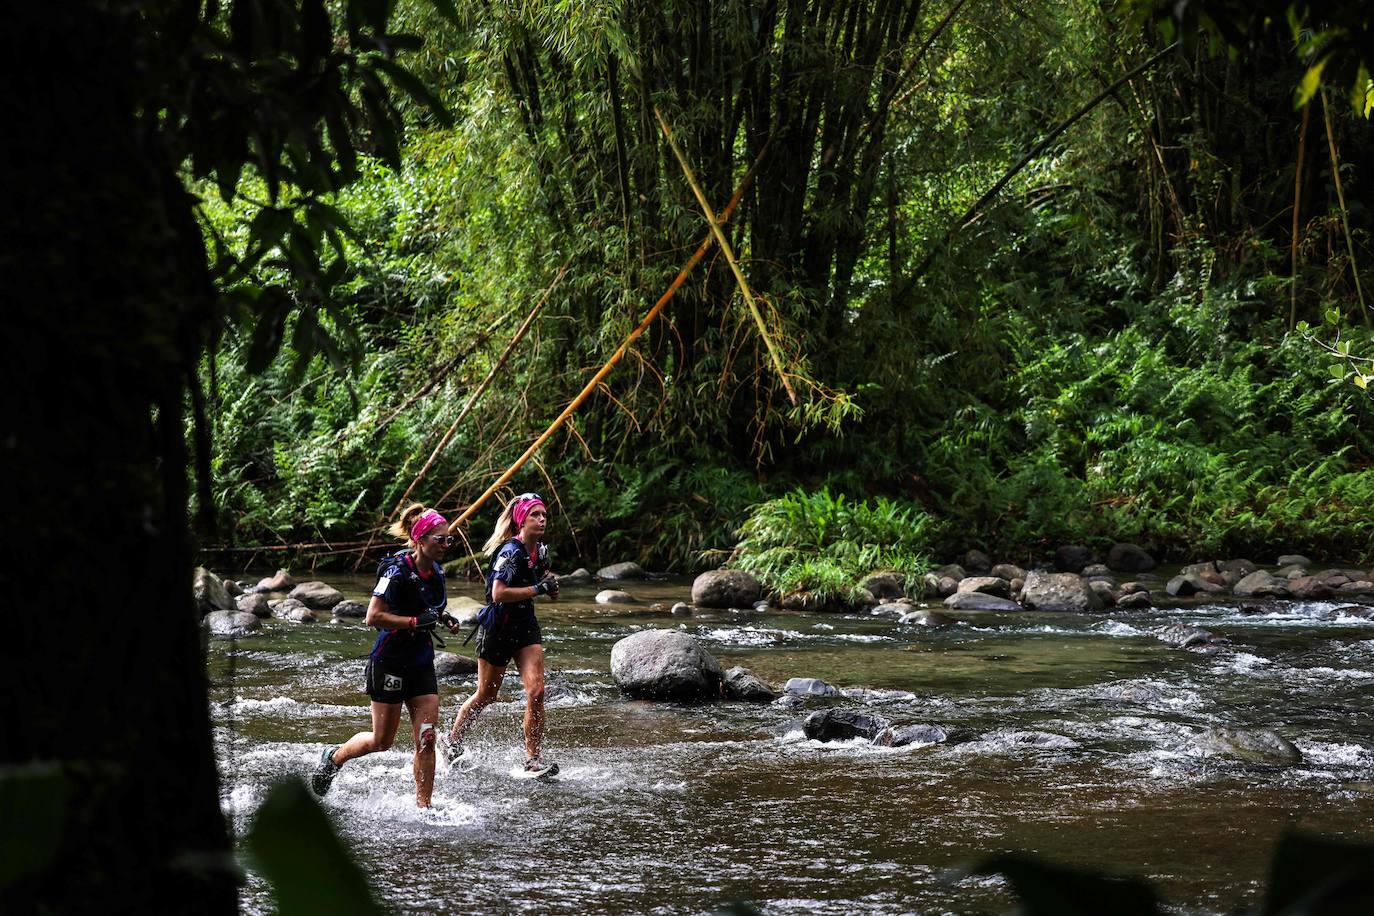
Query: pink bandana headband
<point x="426" y="523"/>
<point x="522" y="507"/>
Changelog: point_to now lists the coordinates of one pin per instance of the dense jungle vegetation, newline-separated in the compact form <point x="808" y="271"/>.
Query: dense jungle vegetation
<point x="1032" y="275"/>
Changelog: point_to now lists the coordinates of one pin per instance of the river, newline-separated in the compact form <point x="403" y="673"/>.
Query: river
<point x="663" y="808"/>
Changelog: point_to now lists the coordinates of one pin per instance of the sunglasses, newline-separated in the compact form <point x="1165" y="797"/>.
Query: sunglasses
<point x="445" y="539"/>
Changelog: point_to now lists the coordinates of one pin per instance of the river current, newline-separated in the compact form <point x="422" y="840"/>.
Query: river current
<point x="1070" y="738"/>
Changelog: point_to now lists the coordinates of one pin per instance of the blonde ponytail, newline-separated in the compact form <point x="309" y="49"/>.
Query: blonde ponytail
<point x="505" y="530"/>
<point x="402" y="526"/>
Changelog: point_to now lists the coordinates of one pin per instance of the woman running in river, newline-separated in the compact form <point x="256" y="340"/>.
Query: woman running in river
<point x="407" y="603"/>
<point x="519" y="572"/>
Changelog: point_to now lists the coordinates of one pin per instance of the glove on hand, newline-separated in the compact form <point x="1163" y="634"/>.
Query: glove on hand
<point x="427" y="620"/>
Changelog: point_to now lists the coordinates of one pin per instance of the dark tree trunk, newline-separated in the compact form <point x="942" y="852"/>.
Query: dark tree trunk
<point x="106" y="293"/>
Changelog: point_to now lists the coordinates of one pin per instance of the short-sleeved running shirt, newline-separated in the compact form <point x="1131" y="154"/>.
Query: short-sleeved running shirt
<point x="514" y="566"/>
<point x="410" y="593"/>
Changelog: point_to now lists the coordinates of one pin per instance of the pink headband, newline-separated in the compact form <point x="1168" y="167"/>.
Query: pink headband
<point x="426" y="523"/>
<point x="522" y="509"/>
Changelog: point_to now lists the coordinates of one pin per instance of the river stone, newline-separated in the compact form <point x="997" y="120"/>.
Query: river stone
<point x="1097" y="571"/>
<point x="579" y="576"/>
<point x="1071" y="558"/>
<point x="255" y="604"/>
<point x="280" y="581"/>
<point x="1128" y="588"/>
<point x="232" y="623"/>
<point x="614" y="596"/>
<point x="1134" y="600"/>
<point x="742" y="684"/>
<point x="350" y="610"/>
<point x="1104" y="592"/>
<point x="975" y="561"/>
<point x="1256" y="745"/>
<point x="808" y="687"/>
<point x="725" y="588"/>
<point x="885" y="585"/>
<point x="232" y="587"/>
<point x="1129" y="558"/>
<point x="946" y="586"/>
<point x="681" y="609"/>
<point x="891" y="610"/>
<point x="1334" y="578"/>
<point x="1139" y="694"/>
<point x="451" y="664"/>
<point x="210" y="593"/>
<point x="1363" y="587"/>
<point x="1260" y="584"/>
<point x="843" y="725"/>
<point x="1062" y="591"/>
<point x="1232" y="571"/>
<point x="925" y="617"/>
<point x="920" y="735"/>
<point x="1182" y="636"/>
<point x="1291" y="571"/>
<point x="621" y="571"/>
<point x="665" y="665"/>
<point x="1294" y="559"/>
<point x="952" y="570"/>
<point x="1185" y="584"/>
<point x="1008" y="571"/>
<point x="298" y="613"/>
<point x="316" y="595"/>
<point x="987" y="585"/>
<point x="977" y="601"/>
<point x="1309" y="588"/>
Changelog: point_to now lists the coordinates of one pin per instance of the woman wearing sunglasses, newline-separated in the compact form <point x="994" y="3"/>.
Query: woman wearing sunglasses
<point x="509" y="630"/>
<point x="407" y="603"/>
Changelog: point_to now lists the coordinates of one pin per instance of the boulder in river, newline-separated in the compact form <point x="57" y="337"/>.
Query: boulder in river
<point x="987" y="585"/>
<point x="1232" y="571"/>
<point x="1361" y="587"/>
<point x="451" y="664"/>
<point x="621" y="571"/>
<point x="1196" y="639"/>
<point x="579" y="576"/>
<point x="891" y="610"/>
<point x="1185" y="585"/>
<point x="885" y="585"/>
<point x="1130" y="601"/>
<point x="280" y="581"/>
<point x="255" y="604"/>
<point x="977" y="601"/>
<point x="232" y="587"/>
<point x="925" y="617"/>
<point x="742" y="684"/>
<point x="1256" y="745"/>
<point x="1008" y="571"/>
<point x="725" y="588"/>
<point x="1058" y="592"/>
<point x="808" y="687"/>
<point x="952" y="570"/>
<point x="350" y="610"/>
<point x="316" y="595"/>
<point x="919" y="735"/>
<point x="1104" y="591"/>
<point x="209" y="592"/>
<point x="1294" y="559"/>
<point x="614" y="596"/>
<point x="1309" y="588"/>
<point x="680" y="609"/>
<point x="1292" y="571"/>
<point x="1071" y="558"/>
<point x="232" y="623"/>
<point x="1260" y="584"/>
<point x="665" y="665"/>
<point x="1129" y="558"/>
<point x="843" y="725"/>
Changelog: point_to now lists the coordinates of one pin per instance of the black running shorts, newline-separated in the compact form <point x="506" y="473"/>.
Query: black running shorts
<point x="499" y="646"/>
<point x="389" y="683"/>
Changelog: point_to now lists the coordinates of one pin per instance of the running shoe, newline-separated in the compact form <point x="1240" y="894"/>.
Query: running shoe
<point x="324" y="774"/>
<point x="453" y="750"/>
<point x="537" y="768"/>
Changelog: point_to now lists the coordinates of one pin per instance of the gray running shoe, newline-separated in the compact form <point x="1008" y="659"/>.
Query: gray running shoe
<point x="453" y="750"/>
<point x="537" y="768"/>
<point x="324" y="774"/>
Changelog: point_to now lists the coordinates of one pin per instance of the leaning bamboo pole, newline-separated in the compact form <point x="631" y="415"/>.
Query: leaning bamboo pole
<point x="1297" y="209"/>
<point x="729" y="253"/>
<point x="605" y="370"/>
<point x="1345" y="214"/>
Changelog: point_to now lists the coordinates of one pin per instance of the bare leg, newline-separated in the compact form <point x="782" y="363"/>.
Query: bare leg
<point x="489" y="679"/>
<point x="530" y="661"/>
<point x="386" y="717"/>
<point x="424" y="710"/>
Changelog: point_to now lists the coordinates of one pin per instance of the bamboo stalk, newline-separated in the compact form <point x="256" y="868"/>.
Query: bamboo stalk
<point x="1345" y="216"/>
<point x="605" y="370"/>
<point x="1297" y="206"/>
<point x="729" y="253"/>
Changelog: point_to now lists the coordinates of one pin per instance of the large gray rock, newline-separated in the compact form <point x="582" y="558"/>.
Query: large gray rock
<point x="1134" y="600"/>
<point x="808" y="687"/>
<point x="579" y="576"/>
<point x="1362" y="587"/>
<point x="318" y="596"/>
<point x="280" y="581"/>
<point x="1185" y="585"/>
<point x="1062" y="591"/>
<point x="232" y="623"/>
<point x="725" y="588"/>
<point x="1104" y="591"/>
<point x="1232" y="571"/>
<point x="742" y="684"/>
<point x="349" y="610"/>
<point x="1129" y="558"/>
<point x="1256" y="745"/>
<point x="210" y="592"/>
<point x="1194" y="639"/>
<point x="1294" y="559"/>
<point x="621" y="571"/>
<point x="232" y="587"/>
<point x="1008" y="571"/>
<point x="924" y="617"/>
<point x="952" y="570"/>
<point x="1260" y="584"/>
<point x="885" y="585"/>
<point x="451" y="664"/>
<point x="843" y="725"/>
<point x="614" y="596"/>
<point x="255" y="604"/>
<point x="916" y="734"/>
<point x="1071" y="558"/>
<point x="665" y="665"/>
<point x="987" y="585"/>
<point x="977" y="601"/>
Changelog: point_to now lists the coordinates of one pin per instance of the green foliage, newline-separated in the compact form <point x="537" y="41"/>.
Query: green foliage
<point x="824" y="544"/>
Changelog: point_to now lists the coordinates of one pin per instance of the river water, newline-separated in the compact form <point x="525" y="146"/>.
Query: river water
<point x="664" y="808"/>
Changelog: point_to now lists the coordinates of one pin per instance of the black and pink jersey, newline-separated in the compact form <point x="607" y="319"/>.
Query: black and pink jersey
<point x="409" y="593"/>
